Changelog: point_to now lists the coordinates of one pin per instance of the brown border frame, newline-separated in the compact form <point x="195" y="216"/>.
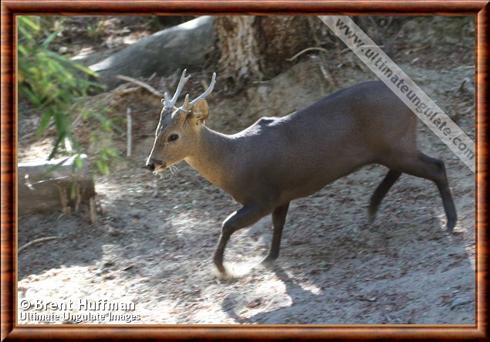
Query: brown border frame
<point x="10" y="331"/>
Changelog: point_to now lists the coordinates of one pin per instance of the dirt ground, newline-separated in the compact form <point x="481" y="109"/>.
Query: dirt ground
<point x="153" y="242"/>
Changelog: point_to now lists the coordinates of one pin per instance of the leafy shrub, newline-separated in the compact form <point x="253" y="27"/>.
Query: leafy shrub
<point x="52" y="83"/>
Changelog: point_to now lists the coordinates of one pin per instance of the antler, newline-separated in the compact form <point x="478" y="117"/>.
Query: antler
<point x="207" y="92"/>
<point x="183" y="80"/>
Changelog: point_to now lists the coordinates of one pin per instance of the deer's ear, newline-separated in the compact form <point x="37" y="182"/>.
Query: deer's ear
<point x="200" y="110"/>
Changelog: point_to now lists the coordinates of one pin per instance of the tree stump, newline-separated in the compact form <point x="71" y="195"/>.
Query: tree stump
<point x="50" y="186"/>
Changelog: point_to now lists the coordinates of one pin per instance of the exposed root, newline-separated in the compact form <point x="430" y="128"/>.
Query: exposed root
<point x="36" y="241"/>
<point x="306" y="50"/>
<point x="141" y="84"/>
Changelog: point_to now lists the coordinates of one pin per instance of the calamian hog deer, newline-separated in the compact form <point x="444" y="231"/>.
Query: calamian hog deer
<point x="278" y="159"/>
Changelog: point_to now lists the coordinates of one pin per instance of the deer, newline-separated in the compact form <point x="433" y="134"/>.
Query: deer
<point x="278" y="159"/>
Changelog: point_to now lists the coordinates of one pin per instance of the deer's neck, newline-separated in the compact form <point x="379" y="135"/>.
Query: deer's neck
<point x="214" y="157"/>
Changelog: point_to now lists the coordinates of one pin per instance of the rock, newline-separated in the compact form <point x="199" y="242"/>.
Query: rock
<point x="254" y="303"/>
<point x="108" y="264"/>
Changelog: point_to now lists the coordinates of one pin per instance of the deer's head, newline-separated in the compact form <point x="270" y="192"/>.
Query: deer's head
<point x="178" y="129"/>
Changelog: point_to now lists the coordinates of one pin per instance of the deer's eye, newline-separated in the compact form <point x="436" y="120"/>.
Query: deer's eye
<point x="172" y="137"/>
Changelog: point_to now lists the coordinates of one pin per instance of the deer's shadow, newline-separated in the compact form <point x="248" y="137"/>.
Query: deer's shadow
<point x="284" y="314"/>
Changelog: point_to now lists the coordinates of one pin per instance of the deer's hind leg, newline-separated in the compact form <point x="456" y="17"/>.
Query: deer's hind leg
<point x="381" y="192"/>
<point x="421" y="165"/>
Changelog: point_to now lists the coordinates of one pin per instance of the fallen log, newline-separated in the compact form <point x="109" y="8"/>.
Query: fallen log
<point x="49" y="186"/>
<point x="184" y="45"/>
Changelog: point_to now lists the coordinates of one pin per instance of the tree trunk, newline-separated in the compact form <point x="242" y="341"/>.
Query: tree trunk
<point x="257" y="48"/>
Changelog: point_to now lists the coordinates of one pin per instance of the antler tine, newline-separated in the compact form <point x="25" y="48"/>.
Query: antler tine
<point x="166" y="95"/>
<point x="183" y="80"/>
<point x="207" y="92"/>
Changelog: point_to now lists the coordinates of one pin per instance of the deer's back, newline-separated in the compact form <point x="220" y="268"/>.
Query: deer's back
<point x="298" y="154"/>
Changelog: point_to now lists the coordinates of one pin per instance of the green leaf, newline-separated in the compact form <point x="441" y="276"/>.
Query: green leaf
<point x="48" y="40"/>
<point x="53" y="84"/>
<point x="78" y="162"/>
<point x="102" y="166"/>
<point x="29" y="22"/>
<point x="44" y="122"/>
<point x="85" y="69"/>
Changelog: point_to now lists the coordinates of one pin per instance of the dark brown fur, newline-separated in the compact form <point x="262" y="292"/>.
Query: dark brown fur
<point x="279" y="159"/>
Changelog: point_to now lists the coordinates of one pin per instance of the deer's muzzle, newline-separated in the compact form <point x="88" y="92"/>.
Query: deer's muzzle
<point x="154" y="164"/>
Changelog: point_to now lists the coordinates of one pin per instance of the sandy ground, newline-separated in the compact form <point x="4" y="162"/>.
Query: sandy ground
<point x="334" y="267"/>
<point x="154" y="239"/>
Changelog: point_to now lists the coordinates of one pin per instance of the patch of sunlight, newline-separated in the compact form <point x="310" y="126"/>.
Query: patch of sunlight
<point x="241" y="269"/>
<point x="192" y="24"/>
<point x="38" y="150"/>
<point x="83" y="53"/>
<point x="312" y="288"/>
<point x="441" y="218"/>
<point x="161" y="311"/>
<point x="440" y="215"/>
<point x="211" y="315"/>
<point x="186" y="223"/>
<point x="70" y="279"/>
<point x="271" y="285"/>
<point x="106" y="187"/>
<point x="273" y="293"/>
<point x="70" y="293"/>
<point x="465" y="226"/>
<point x="103" y="65"/>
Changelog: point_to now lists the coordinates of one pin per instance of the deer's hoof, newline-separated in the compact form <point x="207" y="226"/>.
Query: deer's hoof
<point x="450" y="225"/>
<point x="268" y="261"/>
<point x="371" y="217"/>
<point x="222" y="273"/>
<point x="220" y="268"/>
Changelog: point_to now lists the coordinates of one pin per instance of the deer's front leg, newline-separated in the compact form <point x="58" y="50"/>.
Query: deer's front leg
<point x="246" y="216"/>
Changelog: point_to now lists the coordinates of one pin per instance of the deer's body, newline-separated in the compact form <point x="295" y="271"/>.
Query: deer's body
<point x="280" y="159"/>
<point x="277" y="160"/>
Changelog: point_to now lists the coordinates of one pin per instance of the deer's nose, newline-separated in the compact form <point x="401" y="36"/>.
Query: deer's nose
<point x="149" y="166"/>
<point x="151" y="163"/>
